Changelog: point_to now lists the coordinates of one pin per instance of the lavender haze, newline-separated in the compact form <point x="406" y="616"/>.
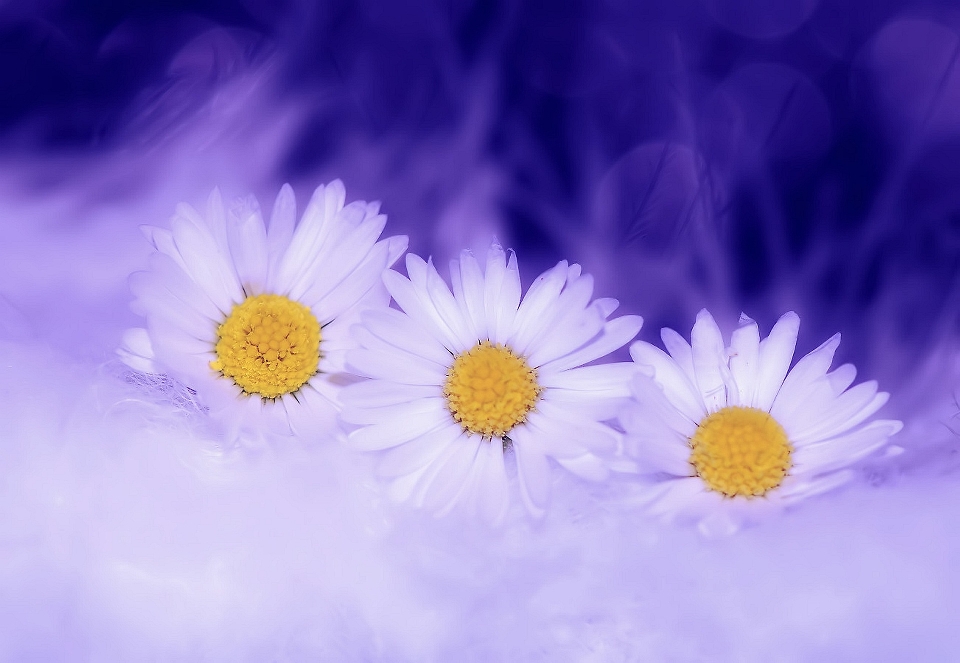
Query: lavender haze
<point x="739" y="155"/>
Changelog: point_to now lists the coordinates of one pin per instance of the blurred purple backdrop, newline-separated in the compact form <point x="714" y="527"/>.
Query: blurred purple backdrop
<point x="744" y="155"/>
<point x="739" y="154"/>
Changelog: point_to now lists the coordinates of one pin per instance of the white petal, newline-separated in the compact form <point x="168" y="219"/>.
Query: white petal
<point x="221" y="395"/>
<point x="538" y="307"/>
<point x="674" y="382"/>
<point x="501" y="293"/>
<point x="169" y="273"/>
<point x="585" y="433"/>
<point x="681" y="352"/>
<point x="417" y="271"/>
<point x="811" y="368"/>
<point x="533" y="471"/>
<point x="795" y="489"/>
<point x="841" y="451"/>
<point x="283" y="219"/>
<point x="616" y="333"/>
<point x="400" y="367"/>
<point x="337" y="340"/>
<point x="170" y="269"/>
<point x="384" y="436"/>
<point x="745" y="359"/>
<point x="841" y="378"/>
<point x="155" y="300"/>
<point x="656" y="454"/>
<point x="389" y="413"/>
<point x="352" y="290"/>
<point x="682" y="497"/>
<point x="162" y="240"/>
<point x="402" y="332"/>
<point x="567" y="333"/>
<point x="426" y="474"/>
<point x="814" y="401"/>
<point x="309" y="237"/>
<point x="175" y="349"/>
<point x="449" y="310"/>
<point x="136" y="351"/>
<point x="333" y="200"/>
<point x="608" y="380"/>
<point x="396" y="244"/>
<point x="469" y="493"/>
<point x="421" y="310"/>
<point x="216" y="219"/>
<point x="168" y="337"/>
<point x="207" y="265"/>
<point x="340" y="259"/>
<point x="247" y="237"/>
<point x="492" y="496"/>
<point x="719" y="524"/>
<point x="563" y="436"/>
<point x="364" y="337"/>
<point x="470" y="284"/>
<point x="334" y="253"/>
<point x="380" y="393"/>
<point x="607" y="305"/>
<point x="311" y="413"/>
<point x="651" y="408"/>
<point x="845" y="412"/>
<point x="549" y="352"/>
<point x="709" y="361"/>
<point x="443" y="490"/>
<point x="402" y="488"/>
<point x="570" y="320"/>
<point x="776" y="353"/>
<point x="587" y="467"/>
<point x="418" y="452"/>
<point x="593" y="407"/>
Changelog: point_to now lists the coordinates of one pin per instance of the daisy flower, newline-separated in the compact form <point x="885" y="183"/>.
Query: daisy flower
<point x="730" y="430"/>
<point x="255" y="318"/>
<point x="458" y="377"/>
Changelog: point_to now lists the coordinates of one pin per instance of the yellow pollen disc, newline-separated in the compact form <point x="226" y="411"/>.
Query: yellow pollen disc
<point x="740" y="451"/>
<point x="490" y="390"/>
<point x="269" y="345"/>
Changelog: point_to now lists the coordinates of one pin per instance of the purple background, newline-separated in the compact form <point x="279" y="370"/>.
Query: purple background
<point x="746" y="155"/>
<point x="743" y="155"/>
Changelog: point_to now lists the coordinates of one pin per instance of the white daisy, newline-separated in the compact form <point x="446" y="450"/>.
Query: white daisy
<point x="457" y="377"/>
<point x="256" y="318"/>
<point x="729" y="430"/>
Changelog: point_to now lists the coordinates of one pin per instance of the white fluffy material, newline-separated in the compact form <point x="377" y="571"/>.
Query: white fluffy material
<point x="126" y="533"/>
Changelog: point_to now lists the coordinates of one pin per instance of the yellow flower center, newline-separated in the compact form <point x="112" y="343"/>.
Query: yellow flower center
<point x="740" y="451"/>
<point x="269" y="345"/>
<point x="490" y="390"/>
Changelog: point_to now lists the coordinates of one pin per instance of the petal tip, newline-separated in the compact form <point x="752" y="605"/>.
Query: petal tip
<point x="791" y="317"/>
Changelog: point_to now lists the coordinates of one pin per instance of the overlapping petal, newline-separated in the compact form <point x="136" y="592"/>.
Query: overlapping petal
<point x="407" y="355"/>
<point x="826" y="422"/>
<point x="206" y="264"/>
